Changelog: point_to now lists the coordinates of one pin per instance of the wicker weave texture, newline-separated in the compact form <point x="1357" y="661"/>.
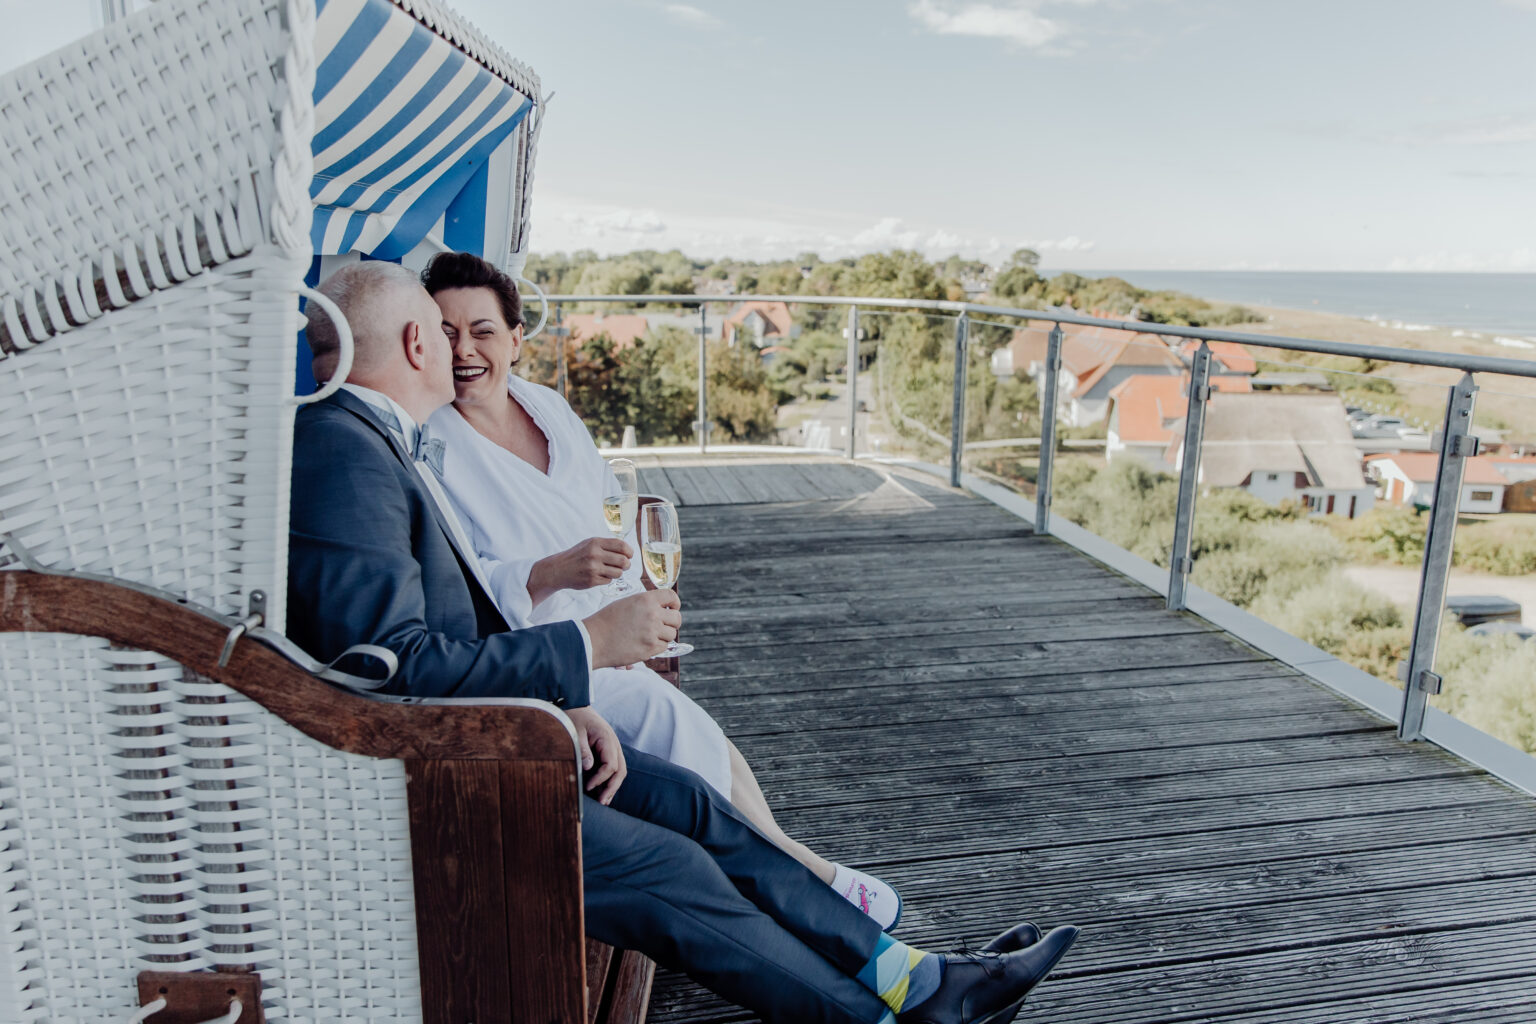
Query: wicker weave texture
<point x="149" y="819"/>
<point x="153" y="444"/>
<point x="146" y="152"/>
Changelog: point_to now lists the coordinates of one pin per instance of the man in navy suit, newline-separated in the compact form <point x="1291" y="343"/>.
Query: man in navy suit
<point x="377" y="556"/>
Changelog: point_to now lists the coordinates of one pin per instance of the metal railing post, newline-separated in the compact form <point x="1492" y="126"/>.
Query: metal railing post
<point x="561" y="384"/>
<point x="853" y="380"/>
<point x="957" y="418"/>
<point x="1180" y="562"/>
<point x="703" y="380"/>
<point x="1455" y="444"/>
<point x="1047" y="432"/>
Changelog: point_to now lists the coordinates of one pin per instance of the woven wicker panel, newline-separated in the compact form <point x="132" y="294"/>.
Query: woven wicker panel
<point x="149" y="818"/>
<point x="145" y="150"/>
<point x="153" y="444"/>
<point x="345" y="947"/>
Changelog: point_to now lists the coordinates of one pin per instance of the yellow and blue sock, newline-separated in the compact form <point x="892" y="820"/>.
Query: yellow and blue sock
<point x="901" y="975"/>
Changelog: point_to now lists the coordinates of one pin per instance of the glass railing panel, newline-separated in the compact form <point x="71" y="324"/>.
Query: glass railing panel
<point x="632" y="374"/>
<point x="1119" y="412"/>
<point x="1002" y="405"/>
<point x="910" y="383"/>
<point x="1296" y="520"/>
<point x="1487" y="651"/>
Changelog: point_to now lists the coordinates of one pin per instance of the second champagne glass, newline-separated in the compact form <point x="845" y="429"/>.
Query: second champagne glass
<point x="661" y="546"/>
<point x="619" y="512"/>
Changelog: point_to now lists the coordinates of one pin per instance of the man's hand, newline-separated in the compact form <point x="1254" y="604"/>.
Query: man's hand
<point x="591" y="563"/>
<point x="601" y="754"/>
<point x="634" y="628"/>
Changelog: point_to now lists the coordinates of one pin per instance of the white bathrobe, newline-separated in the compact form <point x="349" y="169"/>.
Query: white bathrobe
<point x="516" y="515"/>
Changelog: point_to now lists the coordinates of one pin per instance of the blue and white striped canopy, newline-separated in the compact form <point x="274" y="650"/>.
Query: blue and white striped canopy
<point x="410" y="134"/>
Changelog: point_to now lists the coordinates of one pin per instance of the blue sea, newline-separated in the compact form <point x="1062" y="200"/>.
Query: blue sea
<point x="1494" y="305"/>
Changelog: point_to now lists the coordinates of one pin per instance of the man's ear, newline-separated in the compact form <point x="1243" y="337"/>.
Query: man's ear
<point x="415" y="345"/>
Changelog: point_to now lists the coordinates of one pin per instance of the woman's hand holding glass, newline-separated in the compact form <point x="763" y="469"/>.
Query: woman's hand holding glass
<point x="591" y="563"/>
<point x="619" y="513"/>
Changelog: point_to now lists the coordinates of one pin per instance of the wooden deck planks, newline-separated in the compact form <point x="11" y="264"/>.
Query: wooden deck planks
<point x="1006" y="729"/>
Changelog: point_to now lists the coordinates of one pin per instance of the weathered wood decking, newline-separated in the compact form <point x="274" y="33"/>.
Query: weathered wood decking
<point x="1006" y="730"/>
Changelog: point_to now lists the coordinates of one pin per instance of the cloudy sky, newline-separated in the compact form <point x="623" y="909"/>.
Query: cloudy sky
<point x="1290" y="134"/>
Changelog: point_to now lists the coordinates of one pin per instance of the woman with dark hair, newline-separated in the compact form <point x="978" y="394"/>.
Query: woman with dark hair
<point x="527" y="481"/>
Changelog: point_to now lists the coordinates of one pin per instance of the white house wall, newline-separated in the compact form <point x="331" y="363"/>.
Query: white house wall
<point x="1273" y="491"/>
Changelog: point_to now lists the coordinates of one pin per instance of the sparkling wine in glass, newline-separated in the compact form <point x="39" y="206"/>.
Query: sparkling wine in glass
<point x="619" y="512"/>
<point x="661" y="548"/>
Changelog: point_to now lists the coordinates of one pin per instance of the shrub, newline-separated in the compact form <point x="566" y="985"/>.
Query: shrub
<point x="1331" y="612"/>
<point x="1385" y="533"/>
<point x="1490" y="683"/>
<point x="1506" y="549"/>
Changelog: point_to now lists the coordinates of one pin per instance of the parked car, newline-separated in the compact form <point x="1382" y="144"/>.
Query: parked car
<point x="1502" y="628"/>
<point x="1476" y="609"/>
<point x="1379" y="426"/>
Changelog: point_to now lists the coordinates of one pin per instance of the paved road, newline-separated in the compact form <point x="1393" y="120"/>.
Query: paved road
<point x="1401" y="584"/>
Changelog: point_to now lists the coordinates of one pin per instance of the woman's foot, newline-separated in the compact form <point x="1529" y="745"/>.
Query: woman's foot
<point x="871" y="895"/>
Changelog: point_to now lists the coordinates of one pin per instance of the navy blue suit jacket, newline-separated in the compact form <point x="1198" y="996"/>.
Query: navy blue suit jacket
<point x="371" y="560"/>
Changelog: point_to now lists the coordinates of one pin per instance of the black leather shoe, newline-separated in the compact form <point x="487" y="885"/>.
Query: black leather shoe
<point x="1017" y="937"/>
<point x="989" y="988"/>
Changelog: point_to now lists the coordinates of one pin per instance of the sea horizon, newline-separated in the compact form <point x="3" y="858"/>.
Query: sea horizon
<point x="1499" y="306"/>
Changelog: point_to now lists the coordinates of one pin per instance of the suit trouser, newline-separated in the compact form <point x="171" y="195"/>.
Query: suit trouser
<point x="674" y="871"/>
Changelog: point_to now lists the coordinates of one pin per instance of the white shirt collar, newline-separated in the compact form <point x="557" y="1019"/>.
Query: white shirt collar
<point x="379" y="400"/>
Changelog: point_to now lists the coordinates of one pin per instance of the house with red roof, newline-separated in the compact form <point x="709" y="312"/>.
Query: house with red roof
<point x="623" y="328"/>
<point x="1145" y="410"/>
<point x="764" y="323"/>
<point x="1408" y="478"/>
<point x="1095" y="360"/>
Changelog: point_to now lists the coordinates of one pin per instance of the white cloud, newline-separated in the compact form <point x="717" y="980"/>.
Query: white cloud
<point x="611" y="223"/>
<point x="1511" y="261"/>
<point x="563" y="223"/>
<point x="1488" y="131"/>
<point x="1015" y="22"/>
<point x="693" y="17"/>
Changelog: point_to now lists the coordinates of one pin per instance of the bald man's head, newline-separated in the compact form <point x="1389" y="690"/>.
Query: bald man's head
<point x="398" y="343"/>
<point x="376" y="298"/>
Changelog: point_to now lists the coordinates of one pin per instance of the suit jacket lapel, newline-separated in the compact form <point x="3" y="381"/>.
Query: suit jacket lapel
<point x="468" y="562"/>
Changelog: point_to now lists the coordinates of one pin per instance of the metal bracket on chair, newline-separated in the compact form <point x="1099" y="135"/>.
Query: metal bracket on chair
<point x="201" y="997"/>
<point x="256" y="612"/>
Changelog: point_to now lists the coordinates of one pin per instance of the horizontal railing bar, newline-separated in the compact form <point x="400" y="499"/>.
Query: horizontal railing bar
<point x="1447" y="360"/>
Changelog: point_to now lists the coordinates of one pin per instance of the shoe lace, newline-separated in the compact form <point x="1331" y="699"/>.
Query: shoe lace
<point x="963" y="951"/>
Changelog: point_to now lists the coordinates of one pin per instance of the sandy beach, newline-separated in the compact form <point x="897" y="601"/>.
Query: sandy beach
<point x="1504" y="400"/>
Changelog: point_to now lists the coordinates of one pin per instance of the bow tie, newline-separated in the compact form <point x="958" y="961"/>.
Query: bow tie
<point x="428" y="449"/>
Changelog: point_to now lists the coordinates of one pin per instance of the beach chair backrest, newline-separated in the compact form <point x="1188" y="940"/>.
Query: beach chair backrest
<point x="158" y="208"/>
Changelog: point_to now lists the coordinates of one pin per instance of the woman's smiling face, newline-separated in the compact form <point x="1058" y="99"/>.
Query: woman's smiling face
<point x="484" y="347"/>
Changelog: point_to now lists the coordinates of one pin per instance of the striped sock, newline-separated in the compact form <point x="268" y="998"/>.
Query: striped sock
<point x="899" y="974"/>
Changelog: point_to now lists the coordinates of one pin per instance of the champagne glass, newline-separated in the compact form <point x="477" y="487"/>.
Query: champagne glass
<point x="619" y="512"/>
<point x="662" y="549"/>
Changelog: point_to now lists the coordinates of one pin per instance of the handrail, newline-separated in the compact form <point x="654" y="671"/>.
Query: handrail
<point x="1453" y="444"/>
<point x="1449" y="360"/>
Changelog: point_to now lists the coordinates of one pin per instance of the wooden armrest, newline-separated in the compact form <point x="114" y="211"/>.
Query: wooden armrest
<point x="499" y="731"/>
<point x="493" y="791"/>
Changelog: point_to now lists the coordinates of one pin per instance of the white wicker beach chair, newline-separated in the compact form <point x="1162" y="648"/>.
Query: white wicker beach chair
<point x="165" y="187"/>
